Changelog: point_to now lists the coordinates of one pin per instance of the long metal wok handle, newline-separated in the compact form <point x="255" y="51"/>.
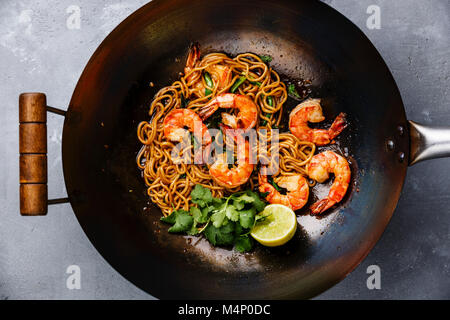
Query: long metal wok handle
<point x="428" y="142"/>
<point x="33" y="154"/>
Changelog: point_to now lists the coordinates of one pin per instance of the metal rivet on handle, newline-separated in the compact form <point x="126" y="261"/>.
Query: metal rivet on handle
<point x="401" y="156"/>
<point x="390" y="145"/>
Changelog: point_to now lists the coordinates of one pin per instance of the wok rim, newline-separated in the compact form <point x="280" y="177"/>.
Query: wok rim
<point x="110" y="38"/>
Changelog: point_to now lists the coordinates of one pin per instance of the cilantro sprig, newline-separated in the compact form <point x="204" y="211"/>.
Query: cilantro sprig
<point x="224" y="221"/>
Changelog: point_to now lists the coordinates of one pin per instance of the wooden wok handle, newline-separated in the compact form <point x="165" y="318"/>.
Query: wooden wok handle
<point x="33" y="154"/>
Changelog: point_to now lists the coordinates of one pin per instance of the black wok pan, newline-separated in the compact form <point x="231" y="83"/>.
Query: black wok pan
<point x="308" y="40"/>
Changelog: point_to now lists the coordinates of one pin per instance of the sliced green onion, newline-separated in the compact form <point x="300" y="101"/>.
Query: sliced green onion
<point x="276" y="186"/>
<point x="194" y="141"/>
<point x="255" y="82"/>
<point x="208" y="80"/>
<point x="264" y="194"/>
<point x="238" y="82"/>
<point x="265" y="58"/>
<point x="265" y="121"/>
<point x="184" y="101"/>
<point x="209" y="83"/>
<point x="270" y="103"/>
<point x="293" y="92"/>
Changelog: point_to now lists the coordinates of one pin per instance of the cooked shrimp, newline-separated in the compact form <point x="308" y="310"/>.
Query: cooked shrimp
<point x="310" y="110"/>
<point x="246" y="117"/>
<point x="178" y="121"/>
<point x="220" y="74"/>
<point x="319" y="168"/>
<point x="297" y="187"/>
<point x="232" y="177"/>
<point x="191" y="62"/>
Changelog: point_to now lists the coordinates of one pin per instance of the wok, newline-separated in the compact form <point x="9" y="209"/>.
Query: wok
<point x="307" y="39"/>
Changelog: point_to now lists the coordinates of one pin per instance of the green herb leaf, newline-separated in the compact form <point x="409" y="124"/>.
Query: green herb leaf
<point x="170" y="218"/>
<point x="218" y="217"/>
<point x="247" y="218"/>
<point x="217" y="202"/>
<point x="293" y="92"/>
<point x="243" y="244"/>
<point x="257" y="203"/>
<point x="194" y="230"/>
<point x="253" y="198"/>
<point x="226" y="210"/>
<point x="200" y="216"/>
<point x="182" y="221"/>
<point x="238" y="82"/>
<point x="201" y="195"/>
<point x="224" y="221"/>
<point x="238" y="230"/>
<point x="220" y="236"/>
<point x="232" y="213"/>
<point x="238" y="204"/>
<point x="266" y="58"/>
<point x="244" y="198"/>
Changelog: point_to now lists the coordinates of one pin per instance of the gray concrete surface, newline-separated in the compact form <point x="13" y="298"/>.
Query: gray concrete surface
<point x="38" y="52"/>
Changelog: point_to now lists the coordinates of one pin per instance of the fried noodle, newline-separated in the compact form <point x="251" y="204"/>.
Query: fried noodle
<point x="170" y="184"/>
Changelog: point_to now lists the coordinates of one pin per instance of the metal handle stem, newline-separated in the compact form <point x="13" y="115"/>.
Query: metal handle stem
<point x="428" y="142"/>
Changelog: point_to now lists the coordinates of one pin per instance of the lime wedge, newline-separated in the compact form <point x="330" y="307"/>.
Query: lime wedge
<point x="278" y="228"/>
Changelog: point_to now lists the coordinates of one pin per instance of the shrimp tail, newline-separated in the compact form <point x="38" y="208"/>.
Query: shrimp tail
<point x="339" y="124"/>
<point x="194" y="55"/>
<point x="262" y="178"/>
<point x="265" y="188"/>
<point x="206" y="111"/>
<point x="227" y="131"/>
<point x="321" y="206"/>
<point x="224" y="127"/>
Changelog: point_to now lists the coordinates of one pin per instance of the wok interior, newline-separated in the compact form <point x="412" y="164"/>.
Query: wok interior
<point x="307" y="40"/>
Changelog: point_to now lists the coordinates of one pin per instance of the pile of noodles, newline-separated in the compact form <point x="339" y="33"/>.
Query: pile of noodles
<point x="170" y="184"/>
